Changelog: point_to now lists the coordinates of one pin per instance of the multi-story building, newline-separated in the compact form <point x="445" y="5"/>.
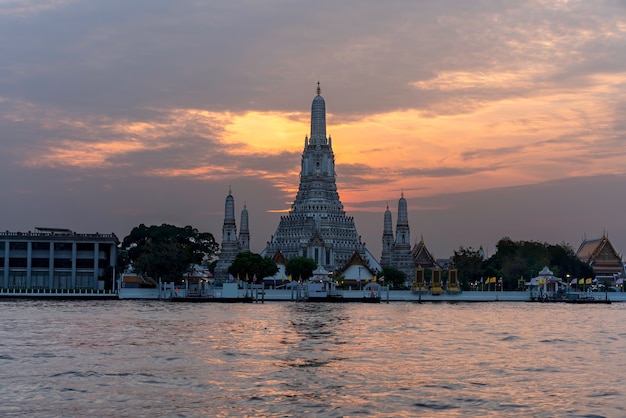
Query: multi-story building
<point x="53" y="258"/>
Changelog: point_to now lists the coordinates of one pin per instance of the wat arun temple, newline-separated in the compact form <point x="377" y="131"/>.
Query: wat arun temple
<point x="317" y="226"/>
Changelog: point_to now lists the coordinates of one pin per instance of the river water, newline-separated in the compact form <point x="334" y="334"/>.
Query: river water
<point x="153" y="358"/>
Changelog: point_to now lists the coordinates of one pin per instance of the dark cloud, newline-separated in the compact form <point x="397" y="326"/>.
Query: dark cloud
<point x="101" y="55"/>
<point x="358" y="176"/>
<point x="490" y="153"/>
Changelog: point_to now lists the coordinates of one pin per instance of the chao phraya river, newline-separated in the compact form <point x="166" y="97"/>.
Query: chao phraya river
<point x="154" y="358"/>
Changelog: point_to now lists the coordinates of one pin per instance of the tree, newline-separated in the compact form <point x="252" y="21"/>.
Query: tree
<point x="248" y="265"/>
<point x="167" y="251"/>
<point x="393" y="276"/>
<point x="469" y="263"/>
<point x="300" y="268"/>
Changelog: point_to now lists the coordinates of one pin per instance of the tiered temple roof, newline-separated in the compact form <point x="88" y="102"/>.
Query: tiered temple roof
<point x="422" y="257"/>
<point x="600" y="254"/>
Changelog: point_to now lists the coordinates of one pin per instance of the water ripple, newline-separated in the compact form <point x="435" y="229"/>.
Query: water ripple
<point x="298" y="359"/>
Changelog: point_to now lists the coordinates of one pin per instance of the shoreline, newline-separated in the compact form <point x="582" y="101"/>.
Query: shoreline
<point x="348" y="296"/>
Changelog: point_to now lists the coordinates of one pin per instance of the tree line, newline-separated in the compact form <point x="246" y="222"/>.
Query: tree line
<point x="516" y="261"/>
<point x="169" y="252"/>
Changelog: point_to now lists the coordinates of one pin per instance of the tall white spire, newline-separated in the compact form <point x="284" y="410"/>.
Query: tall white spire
<point x="385" y="259"/>
<point x="318" y="119"/>
<point x="244" y="232"/>
<point x="400" y="257"/>
<point x="403" y="235"/>
<point x="230" y="242"/>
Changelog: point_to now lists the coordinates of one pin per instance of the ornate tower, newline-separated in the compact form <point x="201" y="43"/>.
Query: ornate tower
<point x="403" y="234"/>
<point x="385" y="259"/>
<point x="399" y="256"/>
<point x="230" y="242"/>
<point x="244" y="233"/>
<point x="317" y="226"/>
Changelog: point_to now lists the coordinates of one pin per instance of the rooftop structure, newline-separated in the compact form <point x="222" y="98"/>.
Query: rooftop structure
<point x="600" y="254"/>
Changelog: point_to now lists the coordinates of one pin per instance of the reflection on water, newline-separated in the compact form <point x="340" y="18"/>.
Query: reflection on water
<point x="125" y="358"/>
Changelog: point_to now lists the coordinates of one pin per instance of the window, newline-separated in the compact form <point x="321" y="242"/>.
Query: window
<point x="62" y="246"/>
<point x="40" y="262"/>
<point x="39" y="279"/>
<point x="83" y="281"/>
<point x="19" y="262"/>
<point x="62" y="280"/>
<point x="84" y="263"/>
<point x="41" y="246"/>
<point x="18" y="246"/>
<point x="62" y="263"/>
<point x="85" y="246"/>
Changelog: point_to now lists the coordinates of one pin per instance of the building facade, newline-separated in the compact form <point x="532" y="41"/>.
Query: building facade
<point x="53" y="258"/>
<point x="316" y="226"/>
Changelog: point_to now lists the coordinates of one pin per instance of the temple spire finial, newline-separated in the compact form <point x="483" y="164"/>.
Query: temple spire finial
<point x="319" y="89"/>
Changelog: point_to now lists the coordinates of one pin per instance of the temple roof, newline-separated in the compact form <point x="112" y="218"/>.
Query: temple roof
<point x="355" y="260"/>
<point x="590" y="249"/>
<point x="279" y="258"/>
<point x="423" y="257"/>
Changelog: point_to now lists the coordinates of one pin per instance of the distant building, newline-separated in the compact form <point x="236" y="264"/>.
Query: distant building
<point x="280" y="277"/>
<point x="316" y="226"/>
<point x="600" y="254"/>
<point x="232" y="244"/>
<point x="356" y="271"/>
<point x="397" y="253"/>
<point x="54" y="258"/>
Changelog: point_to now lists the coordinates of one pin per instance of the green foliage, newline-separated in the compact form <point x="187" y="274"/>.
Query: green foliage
<point x="469" y="263"/>
<point x="394" y="277"/>
<point x="167" y="252"/>
<point x="248" y="265"/>
<point x="516" y="259"/>
<point x="300" y="268"/>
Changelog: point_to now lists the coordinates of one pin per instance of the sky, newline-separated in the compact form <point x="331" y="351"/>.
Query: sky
<point x="493" y="118"/>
